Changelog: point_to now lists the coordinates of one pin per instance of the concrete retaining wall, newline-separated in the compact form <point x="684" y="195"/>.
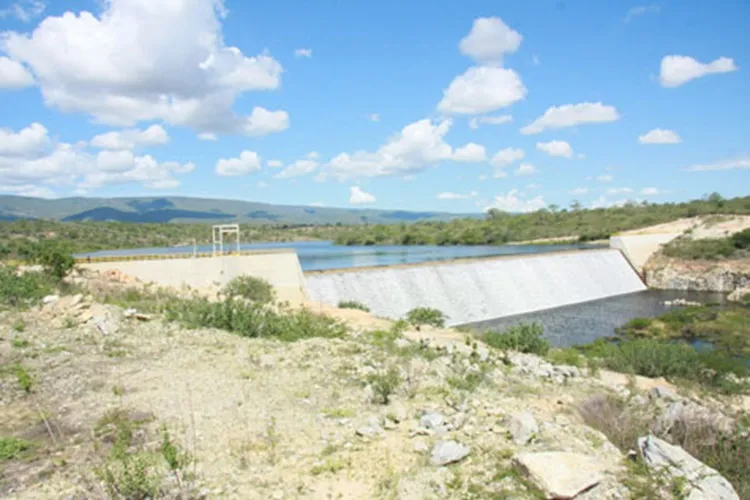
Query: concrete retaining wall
<point x="638" y="248"/>
<point x="481" y="289"/>
<point x="281" y="269"/>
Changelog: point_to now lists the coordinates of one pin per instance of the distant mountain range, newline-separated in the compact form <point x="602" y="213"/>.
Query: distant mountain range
<point x="182" y="209"/>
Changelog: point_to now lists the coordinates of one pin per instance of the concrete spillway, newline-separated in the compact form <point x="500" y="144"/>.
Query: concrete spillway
<point x="481" y="289"/>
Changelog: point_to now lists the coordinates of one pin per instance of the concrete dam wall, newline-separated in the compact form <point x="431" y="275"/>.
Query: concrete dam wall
<point x="481" y="289"/>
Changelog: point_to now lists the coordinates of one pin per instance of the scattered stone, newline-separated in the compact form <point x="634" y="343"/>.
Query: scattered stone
<point x="402" y="343"/>
<point x="522" y="427"/>
<point x="691" y="414"/>
<point x="738" y="295"/>
<point x="431" y="420"/>
<point x="267" y="360"/>
<point x="50" y="299"/>
<point x="397" y="413"/>
<point x="660" y="392"/>
<point x="369" y="432"/>
<point x="448" y="452"/>
<point x="560" y="474"/>
<point x="701" y="481"/>
<point x="421" y="446"/>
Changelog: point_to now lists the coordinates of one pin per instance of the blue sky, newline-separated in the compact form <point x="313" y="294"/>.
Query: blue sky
<point x="455" y="106"/>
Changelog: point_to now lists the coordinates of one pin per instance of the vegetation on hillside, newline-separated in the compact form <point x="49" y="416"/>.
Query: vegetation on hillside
<point x="732" y="247"/>
<point x="502" y="227"/>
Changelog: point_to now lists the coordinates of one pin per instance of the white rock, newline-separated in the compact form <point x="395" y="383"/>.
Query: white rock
<point x="561" y="474"/>
<point x="522" y="426"/>
<point x="397" y="413"/>
<point x="49" y="299"/>
<point x="432" y="420"/>
<point x="421" y="446"/>
<point x="448" y="452"/>
<point x="702" y="482"/>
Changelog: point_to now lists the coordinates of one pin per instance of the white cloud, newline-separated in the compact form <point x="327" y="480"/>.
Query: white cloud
<point x="475" y="122"/>
<point x="678" y="70"/>
<point x="374" y="117"/>
<point x="299" y="167"/>
<point x="499" y="174"/>
<point x="620" y="190"/>
<point x="27" y="142"/>
<point x="13" y="75"/>
<point x="556" y="148"/>
<point x="470" y="153"/>
<point x="248" y="162"/>
<point x="122" y="67"/>
<point x="514" y="201"/>
<point x="579" y="190"/>
<point x="489" y="40"/>
<point x="506" y="156"/>
<point x="482" y="89"/>
<point x="144" y="170"/>
<point x="482" y="178"/>
<point x="130" y="139"/>
<point x="739" y="163"/>
<point x="526" y="169"/>
<point x="605" y="178"/>
<point x="24" y="10"/>
<point x="642" y="10"/>
<point x="28" y="190"/>
<point x="533" y="186"/>
<point x="651" y="191"/>
<point x="456" y="196"/>
<point x="261" y="185"/>
<point x="536" y="61"/>
<point x="660" y="136"/>
<point x="275" y="163"/>
<point x="359" y="197"/>
<point x="312" y="155"/>
<point x="570" y="115"/>
<point x="417" y="146"/>
<point x="303" y="53"/>
<point x="603" y="202"/>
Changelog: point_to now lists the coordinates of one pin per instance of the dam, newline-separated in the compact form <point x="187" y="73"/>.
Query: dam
<point x="474" y="290"/>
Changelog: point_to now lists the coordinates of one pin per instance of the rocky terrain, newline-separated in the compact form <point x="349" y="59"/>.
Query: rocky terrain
<point x="665" y="273"/>
<point x="114" y="400"/>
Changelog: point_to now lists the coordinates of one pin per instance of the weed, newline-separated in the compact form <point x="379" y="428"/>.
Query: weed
<point x="177" y="460"/>
<point x="131" y="477"/>
<point x="251" y="288"/>
<point x="18" y="343"/>
<point x="330" y="465"/>
<point x="426" y="316"/>
<point x="19" y="326"/>
<point x="22" y="288"/>
<point x="613" y="418"/>
<point x="338" y="412"/>
<point x="25" y="379"/>
<point x="524" y="337"/>
<point x="567" y="356"/>
<point x="11" y="448"/>
<point x="69" y="322"/>
<point x="353" y="304"/>
<point x="384" y="384"/>
<point x="272" y="438"/>
<point x="118" y="390"/>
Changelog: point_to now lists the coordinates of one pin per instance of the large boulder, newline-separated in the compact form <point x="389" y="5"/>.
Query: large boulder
<point x="448" y="452"/>
<point x="522" y="427"/>
<point x="561" y="474"/>
<point x="701" y="482"/>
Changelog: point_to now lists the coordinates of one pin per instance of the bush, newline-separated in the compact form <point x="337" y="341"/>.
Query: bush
<point x="21" y="288"/>
<point x="527" y="338"/>
<point x="252" y="319"/>
<point x="385" y="384"/>
<point x="353" y="304"/>
<point x="57" y="263"/>
<point x="251" y="288"/>
<point x="569" y="356"/>
<point x="11" y="448"/>
<point x="426" y="316"/>
<point x="705" y="249"/>
<point x="741" y="240"/>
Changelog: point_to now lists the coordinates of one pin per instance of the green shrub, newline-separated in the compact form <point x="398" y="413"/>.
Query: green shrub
<point x="252" y="319"/>
<point x="24" y="378"/>
<point x="11" y="448"/>
<point x="353" y="304"/>
<point x="704" y="249"/>
<point x="741" y="240"/>
<point x="22" y="288"/>
<point x="251" y="288"/>
<point x="56" y="262"/>
<point x="384" y="384"/>
<point x="426" y="316"/>
<point x="525" y="337"/>
<point x="568" y="356"/>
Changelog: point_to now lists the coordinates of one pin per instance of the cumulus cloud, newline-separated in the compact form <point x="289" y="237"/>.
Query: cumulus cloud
<point x="579" y="190"/>
<point x="28" y="142"/>
<point x="30" y="190"/>
<point x="739" y="163"/>
<point x="556" y="148"/>
<point x="570" y="115"/>
<point x="122" y="67"/>
<point x="605" y="178"/>
<point x="660" y="136"/>
<point x="13" y="75"/>
<point x="489" y="40"/>
<point x="145" y="170"/>
<point x="515" y="201"/>
<point x="24" y="10"/>
<point x="374" y="117"/>
<point x="476" y="122"/>
<point x="154" y="135"/>
<point x="620" y="190"/>
<point x="506" y="156"/>
<point x="417" y="146"/>
<point x="470" y="153"/>
<point x="457" y="196"/>
<point x="299" y="167"/>
<point x="526" y="169"/>
<point x="604" y="202"/>
<point x="651" y="191"/>
<point x="678" y="70"/>
<point x="359" y="197"/>
<point x="275" y="163"/>
<point x="248" y="162"/>
<point x="482" y="89"/>
<point x="303" y="53"/>
<point x="641" y="10"/>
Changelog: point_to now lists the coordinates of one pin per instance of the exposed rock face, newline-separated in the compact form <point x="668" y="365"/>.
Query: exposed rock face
<point x="701" y="481"/>
<point x="739" y="295"/>
<point x="448" y="452"/>
<point x="694" y="275"/>
<point x="522" y="427"/>
<point x="560" y="474"/>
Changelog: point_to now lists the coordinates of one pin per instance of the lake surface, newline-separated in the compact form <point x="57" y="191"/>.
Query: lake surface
<point x="586" y="322"/>
<point x="320" y="255"/>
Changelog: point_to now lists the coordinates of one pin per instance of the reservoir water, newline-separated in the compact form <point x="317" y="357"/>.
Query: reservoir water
<point x="320" y="255"/>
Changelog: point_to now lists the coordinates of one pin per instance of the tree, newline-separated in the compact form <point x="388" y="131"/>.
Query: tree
<point x="575" y="205"/>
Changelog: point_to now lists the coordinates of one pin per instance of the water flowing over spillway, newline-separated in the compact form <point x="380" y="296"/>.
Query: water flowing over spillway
<point x="481" y="289"/>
